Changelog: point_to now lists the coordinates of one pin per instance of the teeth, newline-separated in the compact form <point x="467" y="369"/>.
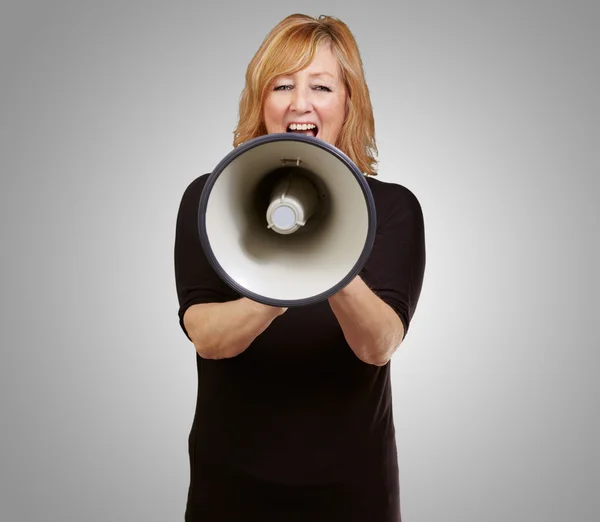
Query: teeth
<point x="302" y="126"/>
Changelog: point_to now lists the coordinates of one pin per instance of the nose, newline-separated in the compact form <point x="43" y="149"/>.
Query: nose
<point x="301" y="100"/>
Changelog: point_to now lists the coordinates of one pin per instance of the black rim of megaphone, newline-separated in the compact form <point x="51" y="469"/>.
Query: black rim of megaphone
<point x="261" y="140"/>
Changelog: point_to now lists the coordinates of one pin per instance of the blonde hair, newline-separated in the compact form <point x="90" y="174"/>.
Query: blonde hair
<point x="289" y="47"/>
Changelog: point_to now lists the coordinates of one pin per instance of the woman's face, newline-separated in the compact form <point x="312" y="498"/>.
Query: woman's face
<point x="311" y="101"/>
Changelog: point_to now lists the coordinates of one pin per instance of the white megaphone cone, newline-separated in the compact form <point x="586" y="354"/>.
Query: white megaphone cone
<point x="286" y="219"/>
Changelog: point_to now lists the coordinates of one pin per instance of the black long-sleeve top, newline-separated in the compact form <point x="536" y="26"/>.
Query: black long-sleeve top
<point x="297" y="423"/>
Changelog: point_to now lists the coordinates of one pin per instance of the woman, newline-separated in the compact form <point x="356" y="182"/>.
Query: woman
<point x="294" y="409"/>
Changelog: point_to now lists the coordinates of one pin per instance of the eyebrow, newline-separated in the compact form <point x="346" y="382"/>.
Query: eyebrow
<point x="312" y="75"/>
<point x="324" y="73"/>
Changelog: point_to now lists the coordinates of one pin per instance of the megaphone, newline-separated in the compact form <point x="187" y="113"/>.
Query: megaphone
<point x="286" y="219"/>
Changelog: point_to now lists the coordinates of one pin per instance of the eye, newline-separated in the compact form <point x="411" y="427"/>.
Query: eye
<point x="283" y="88"/>
<point x="323" y="88"/>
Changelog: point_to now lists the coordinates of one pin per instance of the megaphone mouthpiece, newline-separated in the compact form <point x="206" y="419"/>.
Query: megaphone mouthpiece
<point x="293" y="202"/>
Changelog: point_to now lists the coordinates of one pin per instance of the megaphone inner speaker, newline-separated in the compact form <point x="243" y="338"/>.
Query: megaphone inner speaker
<point x="286" y="269"/>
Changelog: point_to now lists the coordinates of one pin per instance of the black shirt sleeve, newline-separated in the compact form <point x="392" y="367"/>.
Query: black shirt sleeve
<point x="395" y="269"/>
<point x="195" y="279"/>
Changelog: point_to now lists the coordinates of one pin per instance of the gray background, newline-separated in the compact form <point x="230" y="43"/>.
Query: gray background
<point x="487" y="111"/>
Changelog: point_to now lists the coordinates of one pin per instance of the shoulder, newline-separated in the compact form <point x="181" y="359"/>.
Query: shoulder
<point x="190" y="199"/>
<point x="196" y="185"/>
<point x="394" y="199"/>
<point x="191" y="193"/>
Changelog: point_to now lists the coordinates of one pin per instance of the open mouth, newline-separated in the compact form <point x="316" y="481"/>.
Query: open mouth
<point x="308" y="129"/>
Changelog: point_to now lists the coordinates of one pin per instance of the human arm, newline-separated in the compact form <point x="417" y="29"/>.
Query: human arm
<point x="224" y="330"/>
<point x="371" y="327"/>
<point x="218" y="321"/>
<point x="375" y="309"/>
